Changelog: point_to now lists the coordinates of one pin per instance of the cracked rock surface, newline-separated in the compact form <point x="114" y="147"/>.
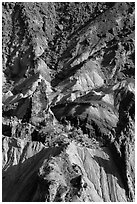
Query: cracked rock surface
<point x="68" y="102"/>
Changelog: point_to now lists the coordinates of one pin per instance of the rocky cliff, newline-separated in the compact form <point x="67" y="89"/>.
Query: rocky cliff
<point x="68" y="103"/>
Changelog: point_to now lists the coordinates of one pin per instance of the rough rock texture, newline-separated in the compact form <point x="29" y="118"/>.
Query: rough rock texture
<point x="68" y="102"/>
<point x="59" y="173"/>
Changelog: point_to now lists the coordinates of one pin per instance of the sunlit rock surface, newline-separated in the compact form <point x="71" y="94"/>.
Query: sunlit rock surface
<point x="68" y="102"/>
<point x="59" y="174"/>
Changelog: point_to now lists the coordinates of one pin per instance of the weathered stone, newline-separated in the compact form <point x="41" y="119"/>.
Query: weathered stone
<point x="50" y="173"/>
<point x="68" y="102"/>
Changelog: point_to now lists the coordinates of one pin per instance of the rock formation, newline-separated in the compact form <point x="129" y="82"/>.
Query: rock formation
<point x="68" y="102"/>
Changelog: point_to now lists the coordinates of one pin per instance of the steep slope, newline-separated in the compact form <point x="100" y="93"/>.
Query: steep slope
<point x="59" y="173"/>
<point x="68" y="102"/>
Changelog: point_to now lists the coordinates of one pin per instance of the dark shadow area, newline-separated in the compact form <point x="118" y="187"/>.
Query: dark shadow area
<point x="9" y="110"/>
<point x="20" y="181"/>
<point x="6" y="130"/>
<point x="110" y="168"/>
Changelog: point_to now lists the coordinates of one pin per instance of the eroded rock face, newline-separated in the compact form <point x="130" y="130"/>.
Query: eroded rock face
<point x="59" y="173"/>
<point x="68" y="102"/>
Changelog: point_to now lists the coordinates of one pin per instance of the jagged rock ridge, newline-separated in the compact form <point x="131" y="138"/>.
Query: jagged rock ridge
<point x="68" y="102"/>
